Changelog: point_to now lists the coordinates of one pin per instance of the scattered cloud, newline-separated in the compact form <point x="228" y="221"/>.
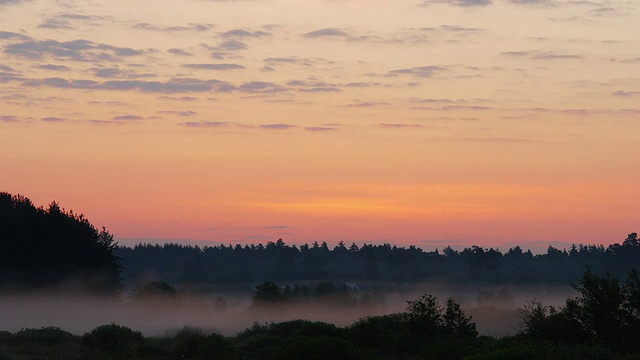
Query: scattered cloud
<point x="464" y="3"/>
<point x="179" y="113"/>
<point x="400" y="126"/>
<point x="421" y="71"/>
<point x="76" y="50"/>
<point x="12" y="35"/>
<point x="261" y="87"/>
<point x="128" y="117"/>
<point x="176" y="85"/>
<point x="204" y="124"/>
<point x="621" y="93"/>
<point x="52" y="67"/>
<point x="319" y="128"/>
<point x="542" y="55"/>
<point x="277" y="126"/>
<point x="214" y="66"/>
<point x="179" y="52"/>
<point x="52" y="119"/>
<point x="9" y="118"/>
<point x="327" y="32"/>
<point x="240" y="33"/>
<point x="189" y="27"/>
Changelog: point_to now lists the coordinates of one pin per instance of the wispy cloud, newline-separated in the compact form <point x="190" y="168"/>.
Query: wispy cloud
<point x="189" y="27"/>
<point x="320" y="128"/>
<point x="214" y="66"/>
<point x="241" y="33"/>
<point x="76" y="50"/>
<point x="421" y="71"/>
<point x="277" y="126"/>
<point x="464" y="3"/>
<point x="542" y="55"/>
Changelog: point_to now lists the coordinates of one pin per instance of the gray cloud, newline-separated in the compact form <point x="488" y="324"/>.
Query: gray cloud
<point x="55" y="23"/>
<point x="77" y="50"/>
<point x="232" y="45"/>
<point x="189" y="27"/>
<point x="542" y="55"/>
<point x="54" y="67"/>
<point x="52" y="119"/>
<point x="204" y="124"/>
<point x="261" y="87"/>
<point x="176" y="85"/>
<point x="327" y="32"/>
<point x="13" y="36"/>
<point x="277" y="126"/>
<point x="244" y="33"/>
<point x="11" y="2"/>
<point x="313" y="86"/>
<point x="214" y="66"/>
<point x="179" y="52"/>
<point x="464" y="3"/>
<point x="422" y="71"/>
<point x="128" y="117"/>
<point x="9" y="118"/>
<point x="319" y="128"/>
<point x="400" y="126"/>
<point x="179" y="113"/>
<point x="621" y="93"/>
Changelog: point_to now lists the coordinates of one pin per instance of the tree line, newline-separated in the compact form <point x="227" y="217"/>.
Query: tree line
<point x="280" y="262"/>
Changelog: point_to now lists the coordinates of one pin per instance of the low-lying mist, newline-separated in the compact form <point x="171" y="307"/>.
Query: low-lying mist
<point x="494" y="308"/>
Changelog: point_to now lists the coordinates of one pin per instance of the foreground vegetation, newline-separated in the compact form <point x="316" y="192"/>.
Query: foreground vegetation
<point x="603" y="322"/>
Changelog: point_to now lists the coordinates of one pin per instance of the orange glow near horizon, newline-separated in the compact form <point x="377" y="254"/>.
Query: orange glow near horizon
<point x="409" y="122"/>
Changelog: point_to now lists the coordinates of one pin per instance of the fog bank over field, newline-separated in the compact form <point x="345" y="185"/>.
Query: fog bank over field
<point x="494" y="309"/>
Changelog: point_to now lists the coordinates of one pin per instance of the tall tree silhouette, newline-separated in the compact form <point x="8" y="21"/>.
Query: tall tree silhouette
<point x="51" y="247"/>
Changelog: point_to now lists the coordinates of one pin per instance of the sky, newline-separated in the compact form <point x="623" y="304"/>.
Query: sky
<point x="425" y="122"/>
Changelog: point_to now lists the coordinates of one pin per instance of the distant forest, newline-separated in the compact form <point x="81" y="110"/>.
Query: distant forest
<point x="277" y="261"/>
<point x="51" y="247"/>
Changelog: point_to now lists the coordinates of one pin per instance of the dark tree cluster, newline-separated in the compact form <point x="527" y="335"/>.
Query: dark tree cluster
<point x="50" y="248"/>
<point x="280" y="262"/>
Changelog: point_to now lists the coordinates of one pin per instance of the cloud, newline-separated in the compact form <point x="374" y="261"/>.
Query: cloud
<point x="179" y="52"/>
<point x="313" y="86"/>
<point x="176" y="85"/>
<point x="400" y="126"/>
<point x="11" y="2"/>
<point x="232" y="45"/>
<point x="621" y="93"/>
<point x="542" y="55"/>
<point x="277" y="126"/>
<point x="13" y="36"/>
<point x="327" y="32"/>
<point x="179" y="113"/>
<point x="77" y="50"/>
<point x="261" y="87"/>
<point x="214" y="66"/>
<point x="128" y="117"/>
<point x="319" y="128"/>
<point x="54" y="67"/>
<point x="278" y="227"/>
<point x="52" y="119"/>
<point x="189" y="27"/>
<point x="54" y="23"/>
<point x="422" y="71"/>
<point x="204" y="124"/>
<point x="244" y="34"/>
<point x="464" y="3"/>
<point x="9" y="118"/>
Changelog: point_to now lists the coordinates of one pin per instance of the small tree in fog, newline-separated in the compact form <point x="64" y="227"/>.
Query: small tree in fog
<point x="267" y="293"/>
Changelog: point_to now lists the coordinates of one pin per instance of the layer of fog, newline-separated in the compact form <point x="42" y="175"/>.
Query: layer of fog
<point x="495" y="309"/>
